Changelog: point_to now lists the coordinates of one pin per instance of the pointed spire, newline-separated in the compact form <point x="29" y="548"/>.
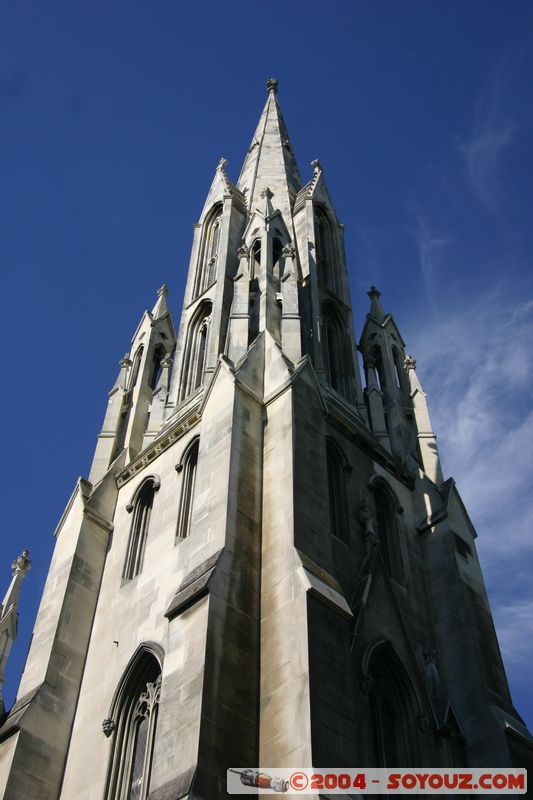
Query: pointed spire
<point x="161" y="308"/>
<point x="270" y="158"/>
<point x="9" y="614"/>
<point x="376" y="309"/>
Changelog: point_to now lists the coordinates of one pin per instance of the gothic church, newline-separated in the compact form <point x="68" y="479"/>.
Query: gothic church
<point x="266" y="565"/>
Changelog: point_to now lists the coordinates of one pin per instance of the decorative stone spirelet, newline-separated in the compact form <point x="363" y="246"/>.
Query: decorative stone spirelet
<point x="409" y="362"/>
<point x="22" y="563"/>
<point x="272" y="85"/>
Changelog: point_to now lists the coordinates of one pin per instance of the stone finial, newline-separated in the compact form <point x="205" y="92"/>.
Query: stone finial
<point x="22" y="564"/>
<point x="222" y="164"/>
<point x="374" y="293"/>
<point x="167" y="360"/>
<point x="267" y="194"/>
<point x="409" y="362"/>
<point x="108" y="726"/>
<point x="272" y="85"/>
<point x="125" y="361"/>
<point x="315" y="163"/>
<point x="163" y="291"/>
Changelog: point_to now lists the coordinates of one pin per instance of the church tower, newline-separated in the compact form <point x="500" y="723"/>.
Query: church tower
<point x="265" y="565"/>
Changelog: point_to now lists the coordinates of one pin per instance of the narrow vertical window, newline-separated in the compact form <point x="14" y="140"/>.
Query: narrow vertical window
<point x="188" y="468"/>
<point x="393" y="709"/>
<point x="208" y="258"/>
<point x="378" y="364"/>
<point x="335" y="348"/>
<point x="325" y="250"/>
<point x="195" y="353"/>
<point x="338" y="505"/>
<point x="141" y="510"/>
<point x="255" y="259"/>
<point x="133" y="724"/>
<point x="136" y="366"/>
<point x="200" y="358"/>
<point x="389" y="534"/>
<point x="159" y="353"/>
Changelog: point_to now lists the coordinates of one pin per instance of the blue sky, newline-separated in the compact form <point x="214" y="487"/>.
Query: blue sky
<point x="113" y="116"/>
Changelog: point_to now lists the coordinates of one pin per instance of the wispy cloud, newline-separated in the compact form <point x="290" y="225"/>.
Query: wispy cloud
<point x="491" y="133"/>
<point x="515" y="626"/>
<point x="429" y="246"/>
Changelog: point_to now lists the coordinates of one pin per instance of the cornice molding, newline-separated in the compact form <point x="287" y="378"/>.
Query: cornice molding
<point x="147" y="456"/>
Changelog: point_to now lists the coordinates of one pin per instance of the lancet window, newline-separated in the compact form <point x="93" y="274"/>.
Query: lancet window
<point x="194" y="360"/>
<point x="188" y="468"/>
<point x="325" y="248"/>
<point x="336" y="352"/>
<point x="388" y="532"/>
<point x="133" y="727"/>
<point x="141" y="508"/>
<point x="137" y="358"/>
<point x="398" y="368"/>
<point x="337" y="491"/>
<point x="393" y="707"/>
<point x="207" y="264"/>
<point x="159" y="354"/>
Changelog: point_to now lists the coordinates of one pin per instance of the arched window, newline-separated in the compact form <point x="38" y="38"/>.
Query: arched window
<point x="207" y="263"/>
<point x="159" y="353"/>
<point x="337" y="360"/>
<point x="132" y="723"/>
<point x="394" y="708"/>
<point x="136" y="366"/>
<point x="255" y="259"/>
<point x="388" y="532"/>
<point x="187" y="467"/>
<point x="337" y="491"/>
<point x="194" y="360"/>
<point x="325" y="248"/>
<point x="377" y="359"/>
<point x="398" y="369"/>
<point x="141" y="507"/>
<point x="277" y="247"/>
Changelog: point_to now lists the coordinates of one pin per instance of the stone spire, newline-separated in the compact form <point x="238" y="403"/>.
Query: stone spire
<point x="376" y="309"/>
<point x="161" y="307"/>
<point x="270" y="161"/>
<point x="9" y="614"/>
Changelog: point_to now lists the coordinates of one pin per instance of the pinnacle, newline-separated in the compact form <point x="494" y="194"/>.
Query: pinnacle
<point x="161" y="308"/>
<point x="376" y="309"/>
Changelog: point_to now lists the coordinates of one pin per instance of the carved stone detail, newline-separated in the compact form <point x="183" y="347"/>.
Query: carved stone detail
<point x="108" y="726"/>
